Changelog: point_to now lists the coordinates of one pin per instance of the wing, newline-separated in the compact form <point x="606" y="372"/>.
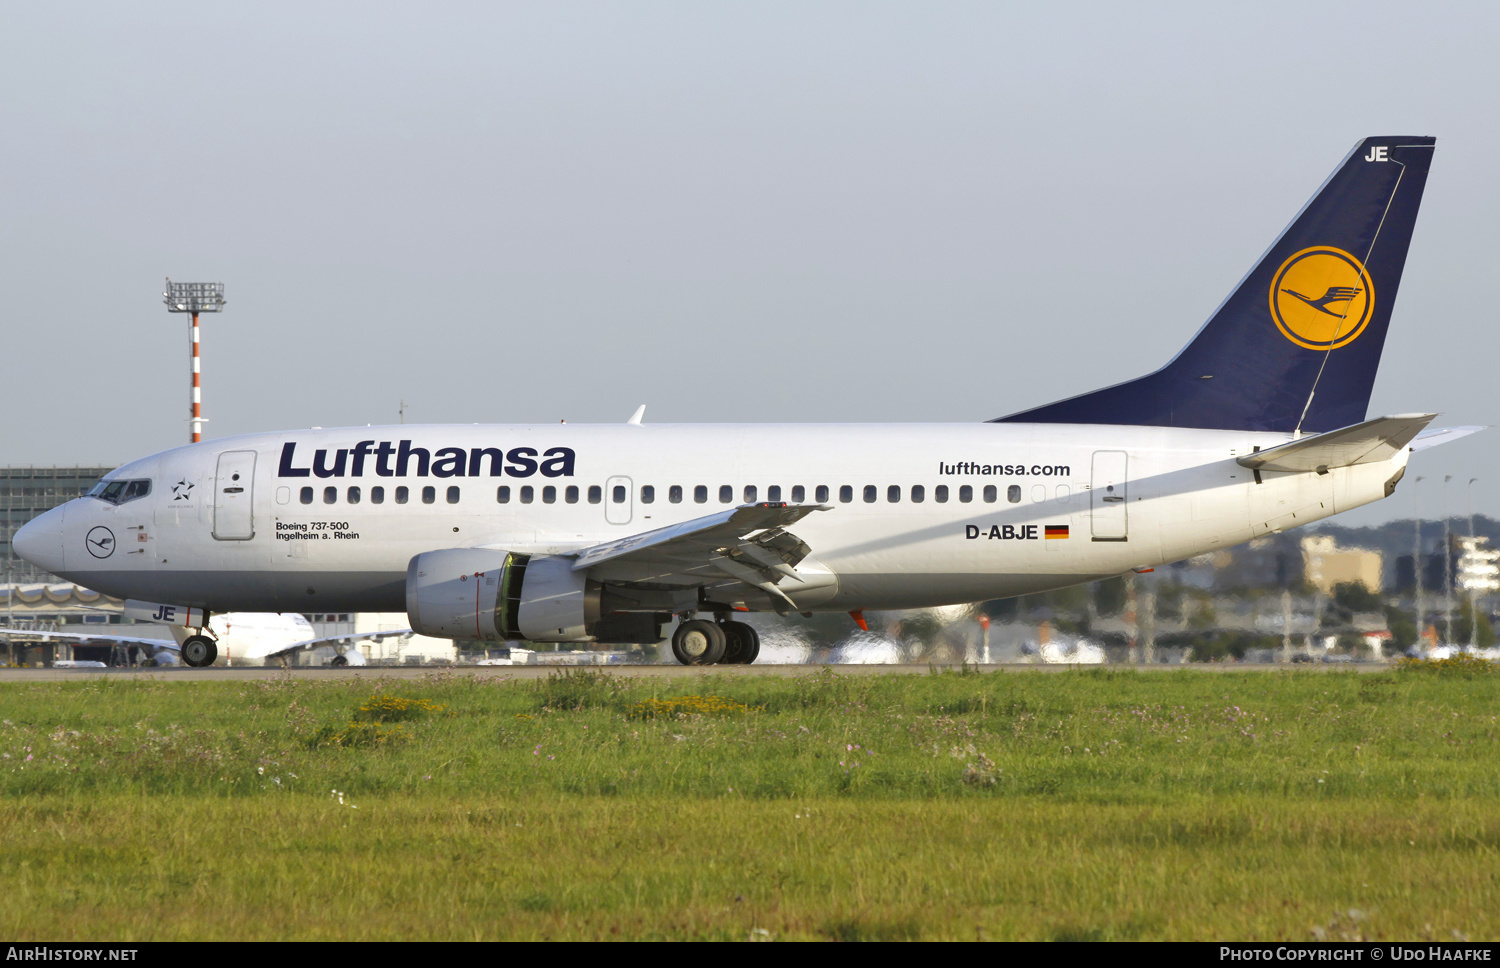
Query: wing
<point x="334" y="641"/>
<point x="102" y="639"/>
<point x="744" y="546"/>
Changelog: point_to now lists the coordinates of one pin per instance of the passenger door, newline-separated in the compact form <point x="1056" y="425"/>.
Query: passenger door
<point x="1108" y="496"/>
<point x="234" y="496"/>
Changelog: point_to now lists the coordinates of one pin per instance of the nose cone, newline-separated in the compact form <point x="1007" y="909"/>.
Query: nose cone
<point x="40" y="541"/>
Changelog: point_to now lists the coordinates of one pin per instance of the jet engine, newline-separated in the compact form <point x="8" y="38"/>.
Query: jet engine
<point x="494" y="596"/>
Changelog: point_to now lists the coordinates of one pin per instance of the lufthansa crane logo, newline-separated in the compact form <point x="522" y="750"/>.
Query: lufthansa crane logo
<point x="101" y="542"/>
<point x="1321" y="298"/>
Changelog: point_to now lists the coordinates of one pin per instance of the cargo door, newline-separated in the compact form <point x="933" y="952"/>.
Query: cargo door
<point x="1108" y="496"/>
<point x="234" y="496"/>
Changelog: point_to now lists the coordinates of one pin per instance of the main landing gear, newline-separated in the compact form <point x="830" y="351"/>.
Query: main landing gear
<point x="699" y="642"/>
<point x="199" y="651"/>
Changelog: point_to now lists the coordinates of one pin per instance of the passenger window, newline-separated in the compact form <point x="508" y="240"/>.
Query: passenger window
<point x="822" y="493"/>
<point x="1063" y="493"/>
<point x="617" y="494"/>
<point x="726" y="493"/>
<point x="401" y="494"/>
<point x="429" y="494"/>
<point x="283" y="495"/>
<point x="1013" y="494"/>
<point x="377" y="495"/>
<point x="571" y="494"/>
<point x="648" y="493"/>
<point x="991" y="495"/>
<point x="330" y="495"/>
<point x="1038" y="493"/>
<point x="846" y="494"/>
<point x="527" y="494"/>
<point x="353" y="496"/>
<point x="306" y="496"/>
<point x="871" y="493"/>
<point x="918" y="494"/>
<point x="502" y="494"/>
<point x="596" y="493"/>
<point x="674" y="494"/>
<point x="966" y="493"/>
<point x="893" y="494"/>
<point x="700" y="494"/>
<point x="750" y="494"/>
<point x="773" y="494"/>
<point x="453" y="494"/>
<point x="940" y="494"/>
<point x="799" y="494"/>
<point x="549" y="495"/>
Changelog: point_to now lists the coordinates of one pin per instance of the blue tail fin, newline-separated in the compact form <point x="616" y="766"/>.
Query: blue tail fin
<point x="1298" y="342"/>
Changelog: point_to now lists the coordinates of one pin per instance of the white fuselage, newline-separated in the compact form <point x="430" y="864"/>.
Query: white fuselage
<point x="299" y="529"/>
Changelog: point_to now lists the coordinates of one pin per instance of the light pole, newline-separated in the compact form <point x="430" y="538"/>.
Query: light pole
<point x="1416" y="560"/>
<point x="195" y="298"/>
<point x="1447" y="568"/>
<point x="1473" y="616"/>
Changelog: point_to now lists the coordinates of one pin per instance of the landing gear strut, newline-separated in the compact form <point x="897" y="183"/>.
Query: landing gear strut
<point x="199" y="651"/>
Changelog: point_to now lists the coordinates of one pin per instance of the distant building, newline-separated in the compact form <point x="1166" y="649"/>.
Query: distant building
<point x="27" y="492"/>
<point x="1478" y="570"/>
<point x="1325" y="565"/>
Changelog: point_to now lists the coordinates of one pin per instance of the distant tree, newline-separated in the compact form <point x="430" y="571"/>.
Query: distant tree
<point x="1403" y="628"/>
<point x="1355" y="597"/>
<point x="1109" y="596"/>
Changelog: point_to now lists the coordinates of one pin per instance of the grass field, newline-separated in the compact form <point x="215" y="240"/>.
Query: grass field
<point x="1096" y="804"/>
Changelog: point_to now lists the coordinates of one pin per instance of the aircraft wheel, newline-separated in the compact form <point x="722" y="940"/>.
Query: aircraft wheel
<point x="339" y="662"/>
<point x="741" y="643"/>
<point x="698" y="643"/>
<point x="199" y="651"/>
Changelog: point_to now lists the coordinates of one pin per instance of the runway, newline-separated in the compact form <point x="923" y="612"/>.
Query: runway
<point x="219" y="673"/>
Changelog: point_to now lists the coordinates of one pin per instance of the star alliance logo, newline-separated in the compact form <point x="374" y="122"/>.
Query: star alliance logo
<point x="182" y="491"/>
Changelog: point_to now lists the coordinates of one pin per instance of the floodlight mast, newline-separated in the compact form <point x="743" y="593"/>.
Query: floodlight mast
<point x="195" y="298"/>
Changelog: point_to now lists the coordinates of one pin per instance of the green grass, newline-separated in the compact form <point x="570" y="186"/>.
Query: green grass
<point x="1101" y="804"/>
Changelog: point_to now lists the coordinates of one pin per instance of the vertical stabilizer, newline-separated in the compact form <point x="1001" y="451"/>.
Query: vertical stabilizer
<point x="1299" y="341"/>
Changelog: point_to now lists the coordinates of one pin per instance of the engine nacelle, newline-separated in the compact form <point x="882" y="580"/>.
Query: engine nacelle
<point x="495" y="596"/>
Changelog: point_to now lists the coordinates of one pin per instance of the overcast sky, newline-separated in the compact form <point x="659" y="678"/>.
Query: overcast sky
<point x="729" y="212"/>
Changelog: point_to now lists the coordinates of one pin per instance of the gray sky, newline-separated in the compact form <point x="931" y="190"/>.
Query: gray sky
<point x="729" y="212"/>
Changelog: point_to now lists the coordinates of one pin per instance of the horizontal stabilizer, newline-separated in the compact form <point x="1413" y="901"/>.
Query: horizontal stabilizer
<point x="1363" y="443"/>
<point x="1442" y="435"/>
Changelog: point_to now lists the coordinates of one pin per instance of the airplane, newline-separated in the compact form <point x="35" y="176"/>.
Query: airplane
<point x="246" y="638"/>
<point x="607" y="533"/>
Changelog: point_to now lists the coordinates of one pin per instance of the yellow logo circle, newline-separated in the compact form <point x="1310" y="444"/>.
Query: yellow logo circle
<point x="1322" y="298"/>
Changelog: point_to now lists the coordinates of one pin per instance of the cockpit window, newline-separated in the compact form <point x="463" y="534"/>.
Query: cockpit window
<point x="119" y="492"/>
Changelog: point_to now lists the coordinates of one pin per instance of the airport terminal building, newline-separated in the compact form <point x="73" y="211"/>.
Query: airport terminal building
<point x="26" y="492"/>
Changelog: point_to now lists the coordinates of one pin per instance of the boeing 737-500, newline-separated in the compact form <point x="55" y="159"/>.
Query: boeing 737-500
<point x="607" y="533"/>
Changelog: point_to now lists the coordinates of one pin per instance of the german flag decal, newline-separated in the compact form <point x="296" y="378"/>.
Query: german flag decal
<point x="1057" y="531"/>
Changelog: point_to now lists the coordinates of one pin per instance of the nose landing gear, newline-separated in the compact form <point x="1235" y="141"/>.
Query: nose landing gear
<point x="199" y="651"/>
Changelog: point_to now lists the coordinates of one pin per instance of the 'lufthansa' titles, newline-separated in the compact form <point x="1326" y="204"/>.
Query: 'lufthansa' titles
<point x="401" y="459"/>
